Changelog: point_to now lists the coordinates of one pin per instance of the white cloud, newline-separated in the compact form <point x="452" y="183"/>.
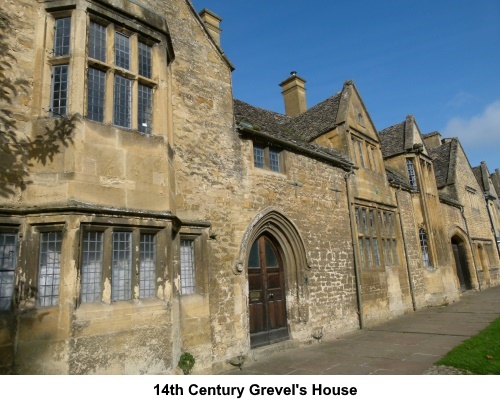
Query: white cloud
<point x="460" y="99"/>
<point x="481" y="131"/>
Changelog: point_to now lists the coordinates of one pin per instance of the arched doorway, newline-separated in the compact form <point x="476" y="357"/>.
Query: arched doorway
<point x="461" y="265"/>
<point x="267" y="296"/>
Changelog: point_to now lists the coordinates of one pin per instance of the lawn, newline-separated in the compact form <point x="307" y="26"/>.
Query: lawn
<point x="480" y="354"/>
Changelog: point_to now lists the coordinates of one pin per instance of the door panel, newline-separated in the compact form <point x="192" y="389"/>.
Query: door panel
<point x="268" y="322"/>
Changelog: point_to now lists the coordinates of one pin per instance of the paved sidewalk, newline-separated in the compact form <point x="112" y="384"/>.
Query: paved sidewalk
<point x="409" y="344"/>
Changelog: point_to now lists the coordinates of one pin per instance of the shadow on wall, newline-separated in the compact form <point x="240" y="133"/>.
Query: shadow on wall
<point x="17" y="150"/>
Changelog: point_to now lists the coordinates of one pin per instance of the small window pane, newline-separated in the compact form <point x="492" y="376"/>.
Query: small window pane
<point x="258" y="156"/>
<point x="188" y="276"/>
<point x="395" y="252"/>
<point x="361" y="155"/>
<point x="145" y="109"/>
<point x="361" y="251"/>
<point x="121" y="277"/>
<point x="271" y="259"/>
<point x="92" y="267"/>
<point x="8" y="253"/>
<point x="274" y="160"/>
<point x="97" y="42"/>
<point x="122" y="51"/>
<point x="59" y="93"/>
<point x="145" y="52"/>
<point x="49" y="268"/>
<point x="424" y="247"/>
<point x="122" y="101"/>
<point x="254" y="259"/>
<point x="411" y="173"/>
<point x="376" y="253"/>
<point x="62" y="36"/>
<point x="96" y="95"/>
<point x="368" y="251"/>
<point x="147" y="266"/>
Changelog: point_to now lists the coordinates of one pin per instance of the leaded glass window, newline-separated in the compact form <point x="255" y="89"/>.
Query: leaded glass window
<point x="121" y="277"/>
<point x="258" y="156"/>
<point x="97" y="42"/>
<point x="8" y="253"/>
<point x="274" y="160"/>
<point x="411" y="173"/>
<point x="145" y="66"/>
<point x="49" y="268"/>
<point x="147" y="266"/>
<point x="122" y="50"/>
<point x="188" y="276"/>
<point x="92" y="267"/>
<point x="62" y="34"/>
<point x="96" y="94"/>
<point x="59" y="91"/>
<point x="424" y="247"/>
<point x="122" y="98"/>
<point x="145" y="109"/>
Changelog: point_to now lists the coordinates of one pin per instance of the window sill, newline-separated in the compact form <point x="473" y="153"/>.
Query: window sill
<point x="264" y="171"/>
<point x="91" y="310"/>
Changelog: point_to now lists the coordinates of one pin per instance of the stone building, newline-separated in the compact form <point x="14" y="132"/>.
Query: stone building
<point x="145" y="213"/>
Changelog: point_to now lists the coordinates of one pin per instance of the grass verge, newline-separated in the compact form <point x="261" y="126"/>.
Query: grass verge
<point x="480" y="354"/>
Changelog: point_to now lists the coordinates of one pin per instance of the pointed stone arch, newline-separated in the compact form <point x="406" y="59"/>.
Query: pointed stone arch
<point x="463" y="258"/>
<point x="289" y="242"/>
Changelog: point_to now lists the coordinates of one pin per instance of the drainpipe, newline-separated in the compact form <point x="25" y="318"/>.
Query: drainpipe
<point x="355" y="248"/>
<point x="410" y="279"/>
<point x="471" y="247"/>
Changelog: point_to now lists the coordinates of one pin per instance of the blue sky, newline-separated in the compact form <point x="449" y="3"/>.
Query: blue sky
<point x="438" y="60"/>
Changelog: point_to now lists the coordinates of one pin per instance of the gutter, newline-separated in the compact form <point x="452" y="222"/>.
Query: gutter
<point x="355" y="249"/>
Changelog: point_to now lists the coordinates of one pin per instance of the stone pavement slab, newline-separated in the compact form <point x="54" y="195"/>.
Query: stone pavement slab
<point x="410" y="344"/>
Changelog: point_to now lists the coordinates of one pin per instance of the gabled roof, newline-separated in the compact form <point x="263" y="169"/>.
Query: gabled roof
<point x="444" y="162"/>
<point x="318" y="119"/>
<point x="283" y="129"/>
<point x="401" y="138"/>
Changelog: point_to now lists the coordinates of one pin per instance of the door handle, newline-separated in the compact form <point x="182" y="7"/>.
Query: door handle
<point x="270" y="296"/>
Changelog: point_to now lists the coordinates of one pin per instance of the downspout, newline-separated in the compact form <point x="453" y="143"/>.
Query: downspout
<point x="471" y="247"/>
<point x="410" y="279"/>
<point x="355" y="249"/>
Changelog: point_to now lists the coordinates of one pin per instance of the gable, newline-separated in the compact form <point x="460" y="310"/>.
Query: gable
<point x="353" y="112"/>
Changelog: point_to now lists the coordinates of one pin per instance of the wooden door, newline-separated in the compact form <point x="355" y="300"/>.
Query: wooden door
<point x="461" y="265"/>
<point x="267" y="303"/>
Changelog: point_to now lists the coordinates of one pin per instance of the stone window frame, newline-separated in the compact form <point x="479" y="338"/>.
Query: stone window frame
<point x="33" y="269"/>
<point x="365" y="152"/>
<point x="424" y="247"/>
<point x="267" y="150"/>
<point x="387" y="227"/>
<point x="412" y="173"/>
<point x="472" y="195"/>
<point x="140" y="31"/>
<point x="14" y="231"/>
<point x="132" y="74"/>
<point x="107" y="250"/>
<point x="198" y="236"/>
<point x="382" y="231"/>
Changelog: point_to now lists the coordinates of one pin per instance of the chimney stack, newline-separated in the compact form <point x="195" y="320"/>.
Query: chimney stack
<point x="294" y="95"/>
<point x="433" y="140"/>
<point x="212" y="22"/>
